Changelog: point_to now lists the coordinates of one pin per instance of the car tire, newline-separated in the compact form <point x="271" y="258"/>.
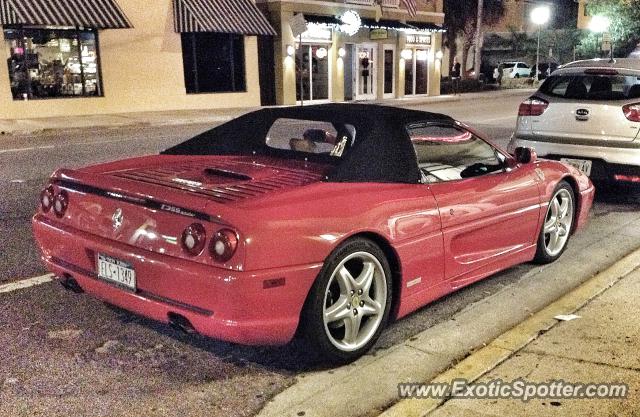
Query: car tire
<point x="349" y="303"/>
<point x="517" y="76"/>
<point x="557" y="226"/>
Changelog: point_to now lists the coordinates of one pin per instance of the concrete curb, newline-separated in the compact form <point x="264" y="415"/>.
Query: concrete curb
<point x="506" y="345"/>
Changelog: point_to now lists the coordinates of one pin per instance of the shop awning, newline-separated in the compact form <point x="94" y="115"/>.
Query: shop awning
<point x="99" y="14"/>
<point x="426" y="27"/>
<point x="385" y="24"/>
<point x="322" y="20"/>
<point x="223" y="16"/>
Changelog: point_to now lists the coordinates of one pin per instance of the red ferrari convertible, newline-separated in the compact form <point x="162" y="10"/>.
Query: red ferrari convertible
<point x="327" y="220"/>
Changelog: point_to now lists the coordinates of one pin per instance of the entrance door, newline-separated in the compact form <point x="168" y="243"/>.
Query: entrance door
<point x="349" y="76"/>
<point x="389" y="71"/>
<point x="365" y="64"/>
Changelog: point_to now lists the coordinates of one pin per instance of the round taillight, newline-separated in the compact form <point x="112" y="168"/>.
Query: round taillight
<point x="46" y="198"/>
<point x="193" y="239"/>
<point x="60" y="203"/>
<point x="224" y="245"/>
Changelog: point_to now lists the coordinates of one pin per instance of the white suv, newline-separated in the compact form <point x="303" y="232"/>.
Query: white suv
<point x="515" y="70"/>
<point x="587" y="114"/>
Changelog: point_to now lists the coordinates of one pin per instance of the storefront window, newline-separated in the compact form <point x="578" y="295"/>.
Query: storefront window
<point x="213" y="62"/>
<point x="52" y="63"/>
<point x="313" y="69"/>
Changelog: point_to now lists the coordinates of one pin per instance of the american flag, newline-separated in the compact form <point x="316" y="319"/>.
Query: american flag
<point x="411" y="6"/>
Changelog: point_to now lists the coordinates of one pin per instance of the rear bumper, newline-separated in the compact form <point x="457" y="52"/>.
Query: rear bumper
<point x="239" y="307"/>
<point x="608" y="161"/>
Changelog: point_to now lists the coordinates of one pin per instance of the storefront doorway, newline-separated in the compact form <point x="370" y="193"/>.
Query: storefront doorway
<point x="365" y="65"/>
<point x="389" y="71"/>
<point x="416" y="75"/>
<point x="312" y="73"/>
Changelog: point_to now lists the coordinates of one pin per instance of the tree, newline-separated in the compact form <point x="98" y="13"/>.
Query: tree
<point x="625" y="25"/>
<point x="477" y="59"/>
<point x="461" y="20"/>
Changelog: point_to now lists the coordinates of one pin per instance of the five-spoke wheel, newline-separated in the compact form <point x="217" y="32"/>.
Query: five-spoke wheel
<point x="349" y="303"/>
<point x="557" y="224"/>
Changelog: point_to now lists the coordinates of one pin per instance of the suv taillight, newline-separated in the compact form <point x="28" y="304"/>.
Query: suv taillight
<point x="533" y="107"/>
<point x="632" y="112"/>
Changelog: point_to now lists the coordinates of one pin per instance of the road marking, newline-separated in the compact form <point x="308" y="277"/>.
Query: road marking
<point x="26" y="283"/>
<point x="31" y="148"/>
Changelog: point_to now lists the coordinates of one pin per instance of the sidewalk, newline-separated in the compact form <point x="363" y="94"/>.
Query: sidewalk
<point x="601" y="346"/>
<point x="29" y="126"/>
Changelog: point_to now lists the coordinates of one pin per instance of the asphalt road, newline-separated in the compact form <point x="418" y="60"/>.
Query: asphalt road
<point x="69" y="355"/>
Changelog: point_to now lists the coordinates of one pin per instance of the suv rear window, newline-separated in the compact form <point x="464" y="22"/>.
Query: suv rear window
<point x="592" y="87"/>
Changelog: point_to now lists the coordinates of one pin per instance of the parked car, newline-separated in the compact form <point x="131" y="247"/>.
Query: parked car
<point x="587" y="114"/>
<point x="546" y="69"/>
<point x="328" y="220"/>
<point x="515" y="70"/>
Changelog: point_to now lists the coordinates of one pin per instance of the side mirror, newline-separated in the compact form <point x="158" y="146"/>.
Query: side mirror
<point x="525" y="155"/>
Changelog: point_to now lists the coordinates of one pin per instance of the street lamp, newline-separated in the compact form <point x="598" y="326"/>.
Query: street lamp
<point x="600" y="24"/>
<point x="540" y="16"/>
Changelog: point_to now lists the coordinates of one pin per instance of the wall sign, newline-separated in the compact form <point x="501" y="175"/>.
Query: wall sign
<point x="418" y="39"/>
<point x="377" y="34"/>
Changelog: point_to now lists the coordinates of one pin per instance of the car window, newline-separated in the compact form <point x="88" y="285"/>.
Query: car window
<point x="449" y="153"/>
<point x="310" y="136"/>
<point x="509" y="65"/>
<point x="592" y="87"/>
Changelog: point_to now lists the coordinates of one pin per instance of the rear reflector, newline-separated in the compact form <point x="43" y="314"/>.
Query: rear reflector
<point x="632" y="112"/>
<point x="627" y="178"/>
<point x="533" y="107"/>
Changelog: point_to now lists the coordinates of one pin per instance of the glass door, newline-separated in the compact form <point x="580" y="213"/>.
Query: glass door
<point x="312" y="66"/>
<point x="416" y="73"/>
<point x="365" y="64"/>
<point x="389" y="71"/>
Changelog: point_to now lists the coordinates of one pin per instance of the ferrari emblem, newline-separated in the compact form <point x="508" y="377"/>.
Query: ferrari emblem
<point x="117" y="218"/>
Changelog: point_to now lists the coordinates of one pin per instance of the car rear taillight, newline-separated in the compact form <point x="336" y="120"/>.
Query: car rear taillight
<point x="60" y="203"/>
<point x="632" y="112"/>
<point x="194" y="239"/>
<point x="224" y="245"/>
<point x="533" y="107"/>
<point x="46" y="198"/>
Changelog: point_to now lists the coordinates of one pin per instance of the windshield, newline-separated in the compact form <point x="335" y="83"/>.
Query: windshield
<point x="592" y="87"/>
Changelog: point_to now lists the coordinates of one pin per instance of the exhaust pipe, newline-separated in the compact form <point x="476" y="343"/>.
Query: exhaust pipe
<point x="181" y="323"/>
<point x="69" y="283"/>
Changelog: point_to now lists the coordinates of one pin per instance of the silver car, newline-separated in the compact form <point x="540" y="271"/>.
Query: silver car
<point x="587" y="114"/>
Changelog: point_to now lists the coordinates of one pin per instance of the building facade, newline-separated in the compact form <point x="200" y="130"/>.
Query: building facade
<point x="354" y="50"/>
<point x="75" y="57"/>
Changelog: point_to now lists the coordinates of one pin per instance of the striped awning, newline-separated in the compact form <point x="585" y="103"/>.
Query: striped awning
<point x="99" y="14"/>
<point x="222" y="16"/>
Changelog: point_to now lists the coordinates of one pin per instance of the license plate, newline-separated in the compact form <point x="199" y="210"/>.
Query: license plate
<point x="582" y="164"/>
<point x="116" y="272"/>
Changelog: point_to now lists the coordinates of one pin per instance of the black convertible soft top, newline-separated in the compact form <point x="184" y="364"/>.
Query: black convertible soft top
<point x="382" y="151"/>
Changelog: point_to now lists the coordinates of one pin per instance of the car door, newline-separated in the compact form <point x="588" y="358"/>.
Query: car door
<point x="489" y="206"/>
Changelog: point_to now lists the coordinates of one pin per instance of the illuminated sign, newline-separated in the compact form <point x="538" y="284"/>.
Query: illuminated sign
<point x="418" y="39"/>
